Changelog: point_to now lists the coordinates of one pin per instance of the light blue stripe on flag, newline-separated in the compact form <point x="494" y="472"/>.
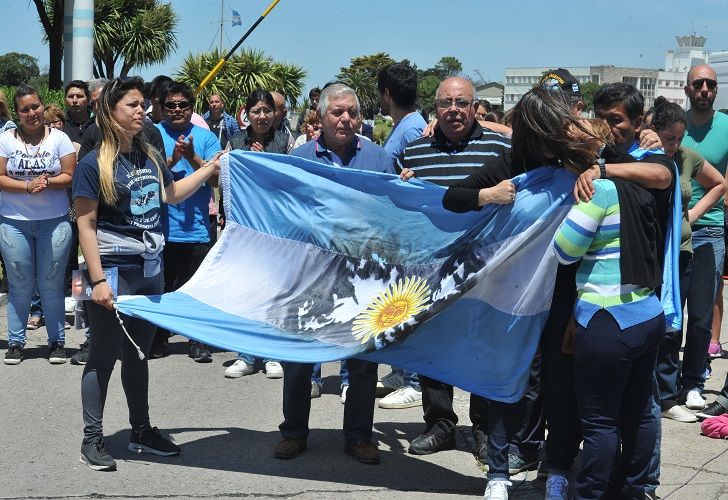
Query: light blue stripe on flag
<point x="319" y="263"/>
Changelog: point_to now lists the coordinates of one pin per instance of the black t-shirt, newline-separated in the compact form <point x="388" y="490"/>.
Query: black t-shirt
<point x="218" y="128"/>
<point x="138" y="204"/>
<point x="92" y="138"/>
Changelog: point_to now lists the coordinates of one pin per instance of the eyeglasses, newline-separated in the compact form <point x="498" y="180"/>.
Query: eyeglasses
<point x="447" y="103"/>
<point x="172" y="105"/>
<point x="698" y="84"/>
<point x="261" y="111"/>
<point x="54" y="122"/>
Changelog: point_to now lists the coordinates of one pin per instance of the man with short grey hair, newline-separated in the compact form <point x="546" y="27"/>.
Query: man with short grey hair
<point x="338" y="143"/>
<point x="337" y="146"/>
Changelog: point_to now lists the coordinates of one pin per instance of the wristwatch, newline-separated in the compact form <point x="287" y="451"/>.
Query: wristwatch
<point x="602" y="168"/>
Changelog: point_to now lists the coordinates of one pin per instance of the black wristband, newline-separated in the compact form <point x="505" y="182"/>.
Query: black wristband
<point x="93" y="285"/>
<point x="602" y="168"/>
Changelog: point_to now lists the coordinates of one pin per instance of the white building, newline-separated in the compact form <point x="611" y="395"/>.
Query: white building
<point x="671" y="80"/>
<point x="521" y="80"/>
<point x="719" y="62"/>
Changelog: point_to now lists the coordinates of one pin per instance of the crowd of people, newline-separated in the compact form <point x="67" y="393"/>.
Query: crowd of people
<point x="128" y="172"/>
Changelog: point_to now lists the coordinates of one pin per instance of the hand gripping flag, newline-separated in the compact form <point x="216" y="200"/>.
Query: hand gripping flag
<point x="320" y="263"/>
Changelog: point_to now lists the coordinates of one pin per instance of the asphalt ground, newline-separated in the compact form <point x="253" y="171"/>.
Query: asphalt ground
<point x="227" y="429"/>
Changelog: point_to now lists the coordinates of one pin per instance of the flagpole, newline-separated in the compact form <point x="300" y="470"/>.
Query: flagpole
<point x="222" y="61"/>
<point x="222" y="15"/>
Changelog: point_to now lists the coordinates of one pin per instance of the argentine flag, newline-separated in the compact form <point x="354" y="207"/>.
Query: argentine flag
<point x="320" y="263"/>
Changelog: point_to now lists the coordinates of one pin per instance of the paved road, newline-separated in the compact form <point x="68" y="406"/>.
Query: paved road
<point x="227" y="430"/>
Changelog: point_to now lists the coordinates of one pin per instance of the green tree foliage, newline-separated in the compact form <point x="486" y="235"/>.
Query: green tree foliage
<point x="447" y="66"/>
<point x="587" y="94"/>
<point x="48" y="96"/>
<point x="17" y="68"/>
<point x="361" y="75"/>
<point x="426" y="89"/>
<point x="430" y="78"/>
<point x="50" y="15"/>
<point x="127" y="34"/>
<point x="132" y="33"/>
<point x="242" y="73"/>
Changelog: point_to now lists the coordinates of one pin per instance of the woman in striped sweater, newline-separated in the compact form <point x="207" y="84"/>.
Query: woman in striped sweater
<point x="620" y="324"/>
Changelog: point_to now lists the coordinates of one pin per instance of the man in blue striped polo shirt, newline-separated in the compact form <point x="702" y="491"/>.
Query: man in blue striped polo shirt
<point x="459" y="146"/>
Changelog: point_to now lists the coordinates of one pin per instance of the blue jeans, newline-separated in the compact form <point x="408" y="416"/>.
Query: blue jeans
<point x="35" y="254"/>
<point x="614" y="387"/>
<point x="410" y="378"/>
<point x="250" y="359"/>
<point x="343" y="373"/>
<point x="36" y="309"/>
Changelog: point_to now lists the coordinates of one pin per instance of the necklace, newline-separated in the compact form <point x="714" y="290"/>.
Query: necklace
<point x="130" y="166"/>
<point x="25" y="143"/>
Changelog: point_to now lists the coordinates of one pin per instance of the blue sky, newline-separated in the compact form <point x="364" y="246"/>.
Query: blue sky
<point x="486" y="35"/>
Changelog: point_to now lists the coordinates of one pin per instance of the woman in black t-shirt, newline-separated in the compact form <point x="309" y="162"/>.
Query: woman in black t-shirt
<point x="118" y="193"/>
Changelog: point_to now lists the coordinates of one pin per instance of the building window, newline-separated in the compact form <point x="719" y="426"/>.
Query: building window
<point x="631" y="80"/>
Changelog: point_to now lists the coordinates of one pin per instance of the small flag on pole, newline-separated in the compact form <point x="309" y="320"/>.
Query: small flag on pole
<point x="236" y="18"/>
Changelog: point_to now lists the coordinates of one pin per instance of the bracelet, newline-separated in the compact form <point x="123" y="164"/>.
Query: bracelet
<point x="93" y="285"/>
<point x="27" y="187"/>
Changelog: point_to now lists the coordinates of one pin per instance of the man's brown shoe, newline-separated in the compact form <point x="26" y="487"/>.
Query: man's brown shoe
<point x="364" y="451"/>
<point x="289" y="448"/>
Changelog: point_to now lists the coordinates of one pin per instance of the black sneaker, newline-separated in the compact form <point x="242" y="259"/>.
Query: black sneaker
<point x="14" y="355"/>
<point x="432" y="442"/>
<point x="96" y="456"/>
<point x="160" y="349"/>
<point x="199" y="352"/>
<point x="81" y="356"/>
<point x="712" y="410"/>
<point x="56" y="353"/>
<point x="151" y="441"/>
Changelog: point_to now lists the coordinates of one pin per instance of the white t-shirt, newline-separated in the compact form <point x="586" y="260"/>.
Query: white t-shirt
<point x="25" y="163"/>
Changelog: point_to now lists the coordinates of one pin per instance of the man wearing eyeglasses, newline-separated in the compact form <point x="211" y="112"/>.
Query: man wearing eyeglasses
<point x="459" y="147"/>
<point x="187" y="146"/>
<point x="466" y="143"/>
<point x="707" y="133"/>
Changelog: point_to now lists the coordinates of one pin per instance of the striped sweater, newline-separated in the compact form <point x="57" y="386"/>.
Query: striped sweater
<point x="591" y="233"/>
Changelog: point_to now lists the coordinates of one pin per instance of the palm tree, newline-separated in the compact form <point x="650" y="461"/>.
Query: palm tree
<point x="132" y="33"/>
<point x="242" y="73"/>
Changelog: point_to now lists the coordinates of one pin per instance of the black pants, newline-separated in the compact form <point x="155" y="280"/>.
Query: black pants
<point x="358" y="409"/>
<point x="109" y="344"/>
<point x="564" y="436"/>
<point x="181" y="261"/>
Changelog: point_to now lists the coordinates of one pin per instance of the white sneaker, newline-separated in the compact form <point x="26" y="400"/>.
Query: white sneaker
<point x="679" y="414"/>
<point x="273" y="369"/>
<point x="344" y="390"/>
<point x="70" y="304"/>
<point x="238" y="369"/>
<point x="390" y="382"/>
<point x="404" y="397"/>
<point x="694" y="400"/>
<point x="497" y="489"/>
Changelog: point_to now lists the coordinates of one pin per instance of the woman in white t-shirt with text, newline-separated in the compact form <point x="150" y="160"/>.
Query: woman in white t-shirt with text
<point x="36" y="166"/>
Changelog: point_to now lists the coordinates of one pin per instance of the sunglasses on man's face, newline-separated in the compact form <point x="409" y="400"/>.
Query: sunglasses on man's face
<point x="172" y="105"/>
<point x="698" y="84"/>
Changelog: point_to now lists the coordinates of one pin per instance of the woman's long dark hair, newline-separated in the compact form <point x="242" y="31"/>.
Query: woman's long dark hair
<point x="668" y="114"/>
<point x="542" y="124"/>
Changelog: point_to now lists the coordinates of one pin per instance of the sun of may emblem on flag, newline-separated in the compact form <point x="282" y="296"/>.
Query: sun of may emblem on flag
<point x="394" y="306"/>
